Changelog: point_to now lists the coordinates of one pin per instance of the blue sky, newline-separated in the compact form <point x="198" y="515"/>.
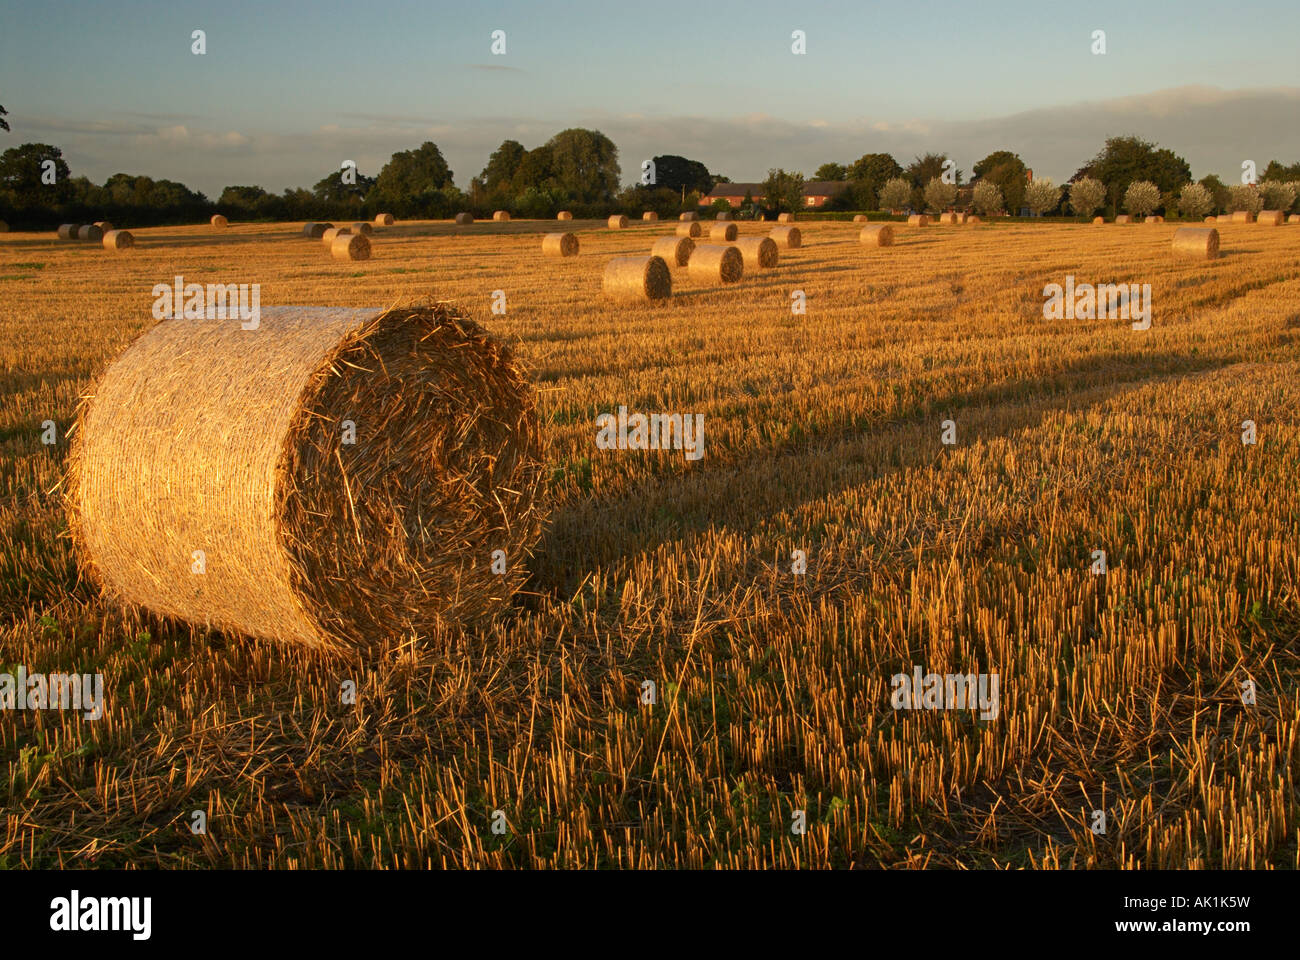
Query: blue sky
<point x="288" y="90"/>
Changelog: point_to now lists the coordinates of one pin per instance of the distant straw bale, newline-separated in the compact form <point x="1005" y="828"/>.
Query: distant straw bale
<point x="560" y="245"/>
<point x="689" y="229"/>
<point x="89" y="233"/>
<point x="716" y="264"/>
<point x="675" y="251"/>
<point x="350" y="246"/>
<point x="650" y="216"/>
<point x="118" y="240"/>
<point x="787" y="236"/>
<point x="464" y="219"/>
<point x="1200" y="243"/>
<point x="501" y="216"/>
<point x="759" y="253"/>
<point x="363" y="228"/>
<point x="384" y="220"/>
<point x="1271" y="218"/>
<point x="723" y="230"/>
<point x="637" y="278"/>
<point x="877" y="235"/>
<point x="219" y="221"/>
<point x="617" y="222"/>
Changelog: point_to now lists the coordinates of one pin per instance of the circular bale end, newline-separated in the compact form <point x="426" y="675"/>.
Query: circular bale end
<point x="1199" y="243"/>
<point x="918" y="220"/>
<point x="67" y="231"/>
<point x="219" y="221"/>
<point x="564" y="215"/>
<point x="501" y="216"/>
<point x="759" y="253"/>
<point x="350" y="246"/>
<point x="877" y="235"/>
<point x="691" y="229"/>
<point x="384" y="220"/>
<point x="1271" y="218"/>
<point x="637" y="278"/>
<point x="118" y="240"/>
<point x="674" y="251"/>
<point x="716" y="264"/>
<point x="560" y="245"/>
<point x="89" y="233"/>
<point x="787" y="236"/>
<point x="724" y="231"/>
<point x="363" y="228"/>
<point x="650" y="216"/>
<point x="464" y="219"/>
<point x="785" y="218"/>
<point x="308" y="538"/>
<point x="329" y="236"/>
<point x="617" y="222"/>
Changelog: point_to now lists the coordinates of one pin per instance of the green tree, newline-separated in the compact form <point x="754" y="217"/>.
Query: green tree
<point x="1008" y="173"/>
<point x="4" y="124"/>
<point x="1285" y="174"/>
<point x="868" y="174"/>
<point x="411" y="174"/>
<point x="783" y="191"/>
<point x="585" y="164"/>
<point x="678" y="173"/>
<point x="1141" y="198"/>
<point x="939" y="196"/>
<point x="1125" y="160"/>
<point x="498" y="176"/>
<point x="536" y="170"/>
<point x="831" y="171"/>
<point x="332" y="189"/>
<point x="1244" y="196"/>
<point x="1277" y="195"/>
<point x="895" y="194"/>
<point x="1087" y="194"/>
<point x="1218" y="192"/>
<point x="1195" y="200"/>
<point x="21" y="170"/>
<point x="1042" y="196"/>
<point x="986" y="197"/>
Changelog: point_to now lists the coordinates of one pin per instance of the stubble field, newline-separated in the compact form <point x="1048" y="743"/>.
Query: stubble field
<point x="1120" y="692"/>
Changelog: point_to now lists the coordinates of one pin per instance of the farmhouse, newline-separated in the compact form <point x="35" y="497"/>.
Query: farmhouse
<point x="815" y="194"/>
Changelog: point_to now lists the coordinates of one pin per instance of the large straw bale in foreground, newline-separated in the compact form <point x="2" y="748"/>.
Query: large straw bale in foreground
<point x="203" y="436"/>
<point x="723" y="230"/>
<point x="1271" y="218"/>
<point x="384" y="220"/>
<point x="877" y="235"/>
<point x="89" y="233"/>
<point x="675" y="251"/>
<point x="788" y="237"/>
<point x="1201" y="243"/>
<point x="118" y="240"/>
<point x="219" y="221"/>
<point x="637" y="278"/>
<point x="759" y="253"/>
<point x="560" y="245"/>
<point x="691" y="228"/>
<point x="711" y="263"/>
<point x="350" y="246"/>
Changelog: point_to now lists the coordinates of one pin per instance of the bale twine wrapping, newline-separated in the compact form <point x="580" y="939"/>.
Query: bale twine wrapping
<point x="363" y="228"/>
<point x="1123" y="218"/>
<point x="860" y="218"/>
<point x="759" y="253"/>
<point x="689" y="215"/>
<point x="104" y="225"/>
<point x="206" y="436"/>
<point x="501" y="216"/>
<point x="384" y="220"/>
<point x="560" y="245"/>
<point x="1271" y="218"/>
<point x="1201" y="243"/>
<point x="637" y="278"/>
<point x="877" y="235"/>
<point x="617" y="222"/>
<point x="788" y="237"/>
<point x="90" y="233"/>
<point x="329" y="235"/>
<point x="689" y="229"/>
<point x="350" y="246"/>
<point x="316" y="230"/>
<point x="918" y="220"/>
<point x="463" y="219"/>
<point x="785" y="218"/>
<point x="1243" y="216"/>
<point x="711" y="263"/>
<point x="675" y="251"/>
<point x="564" y="215"/>
<point x="118" y="240"/>
<point x="650" y="216"/>
<point x="67" y="231"/>
<point x="219" y="221"/>
<point x="724" y="231"/>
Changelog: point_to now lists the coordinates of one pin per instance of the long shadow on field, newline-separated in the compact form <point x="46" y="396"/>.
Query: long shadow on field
<point x="742" y="491"/>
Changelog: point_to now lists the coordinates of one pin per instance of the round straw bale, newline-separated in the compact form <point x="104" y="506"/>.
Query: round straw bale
<point x="118" y="240"/>
<point x="650" y="215"/>
<point x="918" y="220"/>
<point x="948" y="218"/>
<point x="350" y="246"/>
<point x="688" y="215"/>
<point x="963" y="217"/>
<point x="90" y="233"/>
<point x="564" y="215"/>
<point x="637" y="278"/>
<point x="560" y="244"/>
<point x="785" y="218"/>
<point x="877" y="235"/>
<point x="1098" y="219"/>
<point x="723" y="215"/>
<point x="363" y="228"/>
<point x="204" y="436"/>
<point x="1243" y="216"/>
<point x="689" y="229"/>
<point x="67" y="231"/>
<point x="860" y="218"/>
<point x="715" y="263"/>
<point x="1154" y="219"/>
<point x="1294" y="218"/>
<point x="1199" y="242"/>
<point x="1271" y="218"/>
<point x="328" y="236"/>
<point x="675" y="251"/>
<point x="384" y="220"/>
<point x="1211" y="219"/>
<point x="759" y="253"/>
<point x="104" y="225"/>
<point x="973" y="219"/>
<point x="617" y="222"/>
<point x="316" y="230"/>
<point x="723" y="231"/>
<point x="462" y="219"/>
<point x="502" y="216"/>
<point x="787" y="236"/>
<point x="219" y="221"/>
<point x="1123" y="218"/>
